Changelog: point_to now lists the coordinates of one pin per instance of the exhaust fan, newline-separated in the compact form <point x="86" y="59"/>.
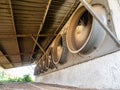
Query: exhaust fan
<point x="85" y="34"/>
<point x="59" y="50"/>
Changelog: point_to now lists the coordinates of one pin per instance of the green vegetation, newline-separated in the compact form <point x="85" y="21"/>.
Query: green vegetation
<point x="5" y="78"/>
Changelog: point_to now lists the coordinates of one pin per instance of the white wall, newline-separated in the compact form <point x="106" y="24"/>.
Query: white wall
<point x="102" y="72"/>
<point x="115" y="10"/>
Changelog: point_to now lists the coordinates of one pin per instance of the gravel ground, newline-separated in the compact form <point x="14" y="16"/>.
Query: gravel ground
<point x="36" y="86"/>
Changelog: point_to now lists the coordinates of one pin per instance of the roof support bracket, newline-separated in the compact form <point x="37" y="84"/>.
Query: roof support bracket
<point x="40" y="28"/>
<point x="38" y="44"/>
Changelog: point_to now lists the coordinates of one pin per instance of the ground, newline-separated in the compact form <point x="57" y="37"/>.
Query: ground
<point x="36" y="86"/>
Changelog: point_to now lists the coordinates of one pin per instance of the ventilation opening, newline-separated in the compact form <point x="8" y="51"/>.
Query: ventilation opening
<point x="85" y="34"/>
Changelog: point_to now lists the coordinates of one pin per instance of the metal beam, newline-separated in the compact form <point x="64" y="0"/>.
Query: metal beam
<point x="92" y="12"/>
<point x="25" y="35"/>
<point x="14" y="63"/>
<point x="61" y="23"/>
<point x="41" y="25"/>
<point x="38" y="44"/>
<point x="13" y="23"/>
<point x="7" y="55"/>
<point x="3" y="60"/>
<point x="55" y="33"/>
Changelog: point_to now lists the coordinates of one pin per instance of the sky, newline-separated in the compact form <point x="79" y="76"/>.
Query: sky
<point x="20" y="71"/>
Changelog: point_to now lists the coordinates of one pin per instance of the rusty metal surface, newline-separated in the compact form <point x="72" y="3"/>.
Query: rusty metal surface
<point x="7" y="26"/>
<point x="4" y="62"/>
<point x="107" y="47"/>
<point x="21" y="19"/>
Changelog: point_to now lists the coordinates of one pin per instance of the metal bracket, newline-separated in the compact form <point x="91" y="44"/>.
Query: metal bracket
<point x="90" y="9"/>
<point x="38" y="44"/>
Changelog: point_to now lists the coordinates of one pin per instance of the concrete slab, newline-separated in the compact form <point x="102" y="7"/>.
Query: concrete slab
<point x="36" y="86"/>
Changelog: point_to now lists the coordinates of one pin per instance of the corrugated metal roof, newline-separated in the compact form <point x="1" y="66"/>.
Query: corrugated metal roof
<point x="20" y="19"/>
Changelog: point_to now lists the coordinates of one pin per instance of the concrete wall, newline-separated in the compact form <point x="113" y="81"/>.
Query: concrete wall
<point x="115" y="11"/>
<point x="102" y="72"/>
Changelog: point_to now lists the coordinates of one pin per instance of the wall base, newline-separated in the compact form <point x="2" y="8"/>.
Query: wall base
<point x="103" y="72"/>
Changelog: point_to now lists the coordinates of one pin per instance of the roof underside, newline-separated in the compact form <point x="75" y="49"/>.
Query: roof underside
<point x="25" y="23"/>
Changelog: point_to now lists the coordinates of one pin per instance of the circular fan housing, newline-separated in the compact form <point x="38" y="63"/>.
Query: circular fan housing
<point x="85" y="34"/>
